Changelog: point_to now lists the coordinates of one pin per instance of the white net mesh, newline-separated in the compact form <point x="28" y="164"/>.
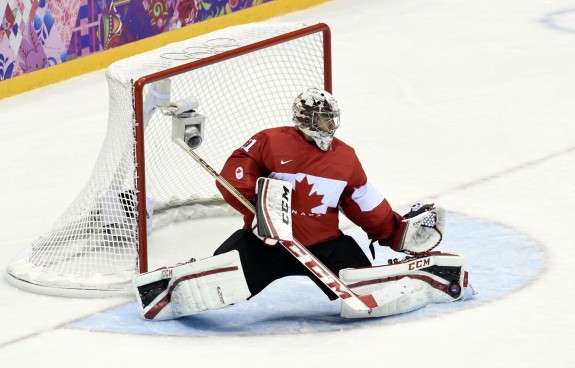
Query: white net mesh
<point x="93" y="247"/>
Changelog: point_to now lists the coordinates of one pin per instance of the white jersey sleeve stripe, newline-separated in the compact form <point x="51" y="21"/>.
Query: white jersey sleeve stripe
<point x="367" y="197"/>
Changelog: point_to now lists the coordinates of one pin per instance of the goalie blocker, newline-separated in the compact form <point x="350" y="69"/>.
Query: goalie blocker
<point x="273" y="222"/>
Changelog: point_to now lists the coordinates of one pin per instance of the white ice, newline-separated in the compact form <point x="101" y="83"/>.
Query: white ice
<point x="469" y="104"/>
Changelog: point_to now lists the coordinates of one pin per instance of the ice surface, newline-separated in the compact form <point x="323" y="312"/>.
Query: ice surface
<point x="467" y="104"/>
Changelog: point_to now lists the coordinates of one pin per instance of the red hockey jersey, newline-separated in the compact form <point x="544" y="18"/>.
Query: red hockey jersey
<point x="323" y="183"/>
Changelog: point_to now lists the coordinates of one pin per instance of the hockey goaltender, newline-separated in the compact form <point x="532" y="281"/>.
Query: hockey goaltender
<point x="290" y="183"/>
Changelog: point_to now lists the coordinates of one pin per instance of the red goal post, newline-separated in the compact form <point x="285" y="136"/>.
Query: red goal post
<point x="245" y="78"/>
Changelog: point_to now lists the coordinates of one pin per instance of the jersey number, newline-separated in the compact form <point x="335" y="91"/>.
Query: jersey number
<point x="249" y="144"/>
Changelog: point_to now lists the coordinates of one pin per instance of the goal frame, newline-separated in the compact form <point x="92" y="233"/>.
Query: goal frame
<point x="138" y="103"/>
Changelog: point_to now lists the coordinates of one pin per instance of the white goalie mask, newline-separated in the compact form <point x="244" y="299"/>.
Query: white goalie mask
<point x="316" y="115"/>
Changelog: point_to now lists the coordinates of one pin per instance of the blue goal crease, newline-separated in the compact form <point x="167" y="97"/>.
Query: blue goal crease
<point x="295" y="305"/>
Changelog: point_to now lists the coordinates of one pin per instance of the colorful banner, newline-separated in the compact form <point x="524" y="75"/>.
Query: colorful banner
<point x="36" y="34"/>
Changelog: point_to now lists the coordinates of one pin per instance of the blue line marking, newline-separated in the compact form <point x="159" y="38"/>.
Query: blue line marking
<point x="499" y="261"/>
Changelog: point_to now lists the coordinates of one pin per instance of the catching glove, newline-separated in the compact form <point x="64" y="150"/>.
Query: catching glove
<point x="421" y="230"/>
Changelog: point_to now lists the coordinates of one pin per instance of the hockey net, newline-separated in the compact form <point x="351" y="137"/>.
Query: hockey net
<point x="245" y="78"/>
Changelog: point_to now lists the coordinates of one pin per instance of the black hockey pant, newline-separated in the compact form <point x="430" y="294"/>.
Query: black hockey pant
<point x="263" y="264"/>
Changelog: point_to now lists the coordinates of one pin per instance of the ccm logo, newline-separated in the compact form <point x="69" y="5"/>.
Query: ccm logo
<point x="167" y="274"/>
<point x="220" y="295"/>
<point x="419" y="264"/>
<point x="285" y="206"/>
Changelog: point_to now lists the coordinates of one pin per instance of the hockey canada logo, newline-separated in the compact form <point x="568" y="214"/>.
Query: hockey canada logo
<point x="239" y="173"/>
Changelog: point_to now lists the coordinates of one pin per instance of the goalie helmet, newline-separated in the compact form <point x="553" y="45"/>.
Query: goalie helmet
<point x="316" y="115"/>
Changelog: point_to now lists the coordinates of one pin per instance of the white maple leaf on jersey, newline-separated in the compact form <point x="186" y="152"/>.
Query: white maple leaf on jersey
<point x="329" y="189"/>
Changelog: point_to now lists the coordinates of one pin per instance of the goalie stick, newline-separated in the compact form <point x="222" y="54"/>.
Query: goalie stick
<point x="357" y="302"/>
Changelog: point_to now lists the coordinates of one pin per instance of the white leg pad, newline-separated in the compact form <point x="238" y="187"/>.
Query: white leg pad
<point x="408" y="285"/>
<point x="191" y="288"/>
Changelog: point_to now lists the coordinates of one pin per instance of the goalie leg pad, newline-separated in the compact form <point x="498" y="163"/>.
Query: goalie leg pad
<point x="191" y="288"/>
<point x="408" y="285"/>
